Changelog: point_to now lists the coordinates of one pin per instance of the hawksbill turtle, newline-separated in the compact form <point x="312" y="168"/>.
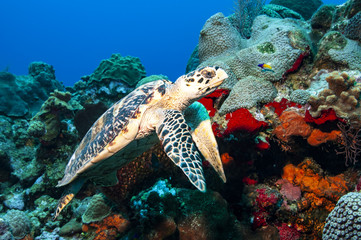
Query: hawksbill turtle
<point x="156" y="111"/>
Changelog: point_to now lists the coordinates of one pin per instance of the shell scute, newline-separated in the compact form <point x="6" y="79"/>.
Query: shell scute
<point x="109" y="126"/>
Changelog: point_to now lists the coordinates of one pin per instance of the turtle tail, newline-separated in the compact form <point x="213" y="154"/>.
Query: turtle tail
<point x="68" y="195"/>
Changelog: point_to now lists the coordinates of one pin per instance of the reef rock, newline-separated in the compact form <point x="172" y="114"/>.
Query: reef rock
<point x="24" y="95"/>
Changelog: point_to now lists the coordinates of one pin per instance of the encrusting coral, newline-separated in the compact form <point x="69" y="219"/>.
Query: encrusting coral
<point x="319" y="194"/>
<point x="107" y="229"/>
<point x="342" y="96"/>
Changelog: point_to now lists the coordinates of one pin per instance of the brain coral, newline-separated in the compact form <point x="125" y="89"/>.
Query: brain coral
<point x="322" y="19"/>
<point x="218" y="37"/>
<point x="353" y="28"/>
<point x="19" y="223"/>
<point x="344" y="221"/>
<point x="125" y="69"/>
<point x="278" y="42"/>
<point x="247" y="93"/>
<point x="342" y="96"/>
<point x="300" y="96"/>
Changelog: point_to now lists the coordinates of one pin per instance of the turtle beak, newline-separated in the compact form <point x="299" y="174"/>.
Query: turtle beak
<point x="221" y="75"/>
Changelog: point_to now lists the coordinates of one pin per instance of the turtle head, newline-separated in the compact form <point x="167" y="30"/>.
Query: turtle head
<point x="201" y="82"/>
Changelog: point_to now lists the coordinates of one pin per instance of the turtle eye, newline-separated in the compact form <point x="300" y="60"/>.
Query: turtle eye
<point x="208" y="73"/>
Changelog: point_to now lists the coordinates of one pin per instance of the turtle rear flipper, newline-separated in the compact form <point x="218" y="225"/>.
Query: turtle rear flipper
<point x="177" y="142"/>
<point x="201" y="129"/>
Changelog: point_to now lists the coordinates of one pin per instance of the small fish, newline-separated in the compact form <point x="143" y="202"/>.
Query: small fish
<point x="265" y="67"/>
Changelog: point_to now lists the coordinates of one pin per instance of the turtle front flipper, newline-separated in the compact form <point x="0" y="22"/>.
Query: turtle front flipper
<point x="177" y="142"/>
<point x="198" y="119"/>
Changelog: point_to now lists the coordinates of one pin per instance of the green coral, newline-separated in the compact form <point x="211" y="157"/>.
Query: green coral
<point x="206" y="214"/>
<point x="70" y="228"/>
<point x="322" y="19"/>
<point x="266" y="47"/>
<point x="127" y="69"/>
<point x="36" y="129"/>
<point x="305" y="7"/>
<point x="97" y="209"/>
<point x="278" y="11"/>
<point x="333" y="40"/>
<point x="50" y="115"/>
<point x="151" y="78"/>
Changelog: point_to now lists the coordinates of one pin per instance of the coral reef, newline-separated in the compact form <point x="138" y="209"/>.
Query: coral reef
<point x="300" y="96"/>
<point x="326" y="189"/>
<point x="194" y="214"/>
<point x="304" y="7"/>
<point x="19" y="223"/>
<point x="278" y="11"/>
<point x="322" y="19"/>
<point x="97" y="210"/>
<point x="278" y="42"/>
<point x="344" y="221"/>
<point x="5" y="233"/>
<point x="287" y="122"/>
<point x="353" y="28"/>
<point x="292" y="124"/>
<point x="338" y="52"/>
<point x="247" y="93"/>
<point x="127" y="69"/>
<point x="109" y="228"/>
<point x="342" y="96"/>
<point x="25" y="94"/>
<point x="46" y="124"/>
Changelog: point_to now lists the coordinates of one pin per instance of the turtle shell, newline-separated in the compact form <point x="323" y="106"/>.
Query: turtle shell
<point x="112" y="123"/>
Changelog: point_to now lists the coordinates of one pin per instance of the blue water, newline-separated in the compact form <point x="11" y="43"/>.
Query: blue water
<point x="74" y="36"/>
